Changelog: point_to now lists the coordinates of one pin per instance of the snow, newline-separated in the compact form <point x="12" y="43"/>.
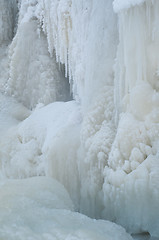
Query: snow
<point x="43" y="191"/>
<point x="40" y="208"/>
<point x="102" y="147"/>
<point x="24" y="152"/>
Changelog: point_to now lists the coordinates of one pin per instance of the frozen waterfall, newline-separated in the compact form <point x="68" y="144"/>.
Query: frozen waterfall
<point x="79" y="119"/>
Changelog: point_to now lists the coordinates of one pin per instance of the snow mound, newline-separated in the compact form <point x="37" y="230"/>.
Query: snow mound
<point x="41" y="191"/>
<point x="45" y="143"/>
<point x="34" y="209"/>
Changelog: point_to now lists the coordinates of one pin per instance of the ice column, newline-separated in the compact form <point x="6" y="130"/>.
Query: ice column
<point x="137" y="61"/>
<point x="131" y="182"/>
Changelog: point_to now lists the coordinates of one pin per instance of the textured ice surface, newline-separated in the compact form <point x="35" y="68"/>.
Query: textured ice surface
<point x="7" y="20"/>
<point x="132" y="172"/>
<point x="34" y="76"/>
<point x="45" y="144"/>
<point x="70" y="29"/>
<point x="110" y="170"/>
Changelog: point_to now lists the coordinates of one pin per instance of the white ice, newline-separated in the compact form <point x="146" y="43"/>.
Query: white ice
<point x="40" y="209"/>
<point x="120" y="5"/>
<point x="103" y="145"/>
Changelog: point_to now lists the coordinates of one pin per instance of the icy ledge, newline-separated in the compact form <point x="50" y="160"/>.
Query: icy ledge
<point x="119" y="5"/>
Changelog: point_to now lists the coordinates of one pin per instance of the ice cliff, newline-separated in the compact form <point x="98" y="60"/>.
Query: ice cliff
<point x="102" y="145"/>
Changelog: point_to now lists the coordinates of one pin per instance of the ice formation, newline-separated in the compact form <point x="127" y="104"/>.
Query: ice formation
<point x="132" y="173"/>
<point x="120" y="5"/>
<point x="7" y="23"/>
<point x="64" y="23"/>
<point x="34" y="78"/>
<point x="103" y="145"/>
<point x="39" y="208"/>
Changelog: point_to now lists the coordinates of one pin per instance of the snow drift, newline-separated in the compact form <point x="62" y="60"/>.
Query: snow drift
<point x="40" y="208"/>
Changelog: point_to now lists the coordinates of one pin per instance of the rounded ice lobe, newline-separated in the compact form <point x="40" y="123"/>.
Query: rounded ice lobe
<point x="39" y="208"/>
<point x="141" y="100"/>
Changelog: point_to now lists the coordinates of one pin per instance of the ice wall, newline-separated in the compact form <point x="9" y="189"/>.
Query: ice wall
<point x="82" y="32"/>
<point x="77" y="45"/>
<point x="8" y="11"/>
<point x="34" y="75"/>
<point x="8" y="16"/>
<point x="137" y="61"/>
<point x="110" y="168"/>
<point x="131" y="177"/>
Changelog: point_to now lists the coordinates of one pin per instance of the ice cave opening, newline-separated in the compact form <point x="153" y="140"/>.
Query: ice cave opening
<point x="79" y="119"/>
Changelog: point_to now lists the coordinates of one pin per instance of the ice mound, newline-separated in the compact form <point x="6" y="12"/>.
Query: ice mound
<point x="40" y="209"/>
<point x="41" y="191"/>
<point x="45" y="143"/>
